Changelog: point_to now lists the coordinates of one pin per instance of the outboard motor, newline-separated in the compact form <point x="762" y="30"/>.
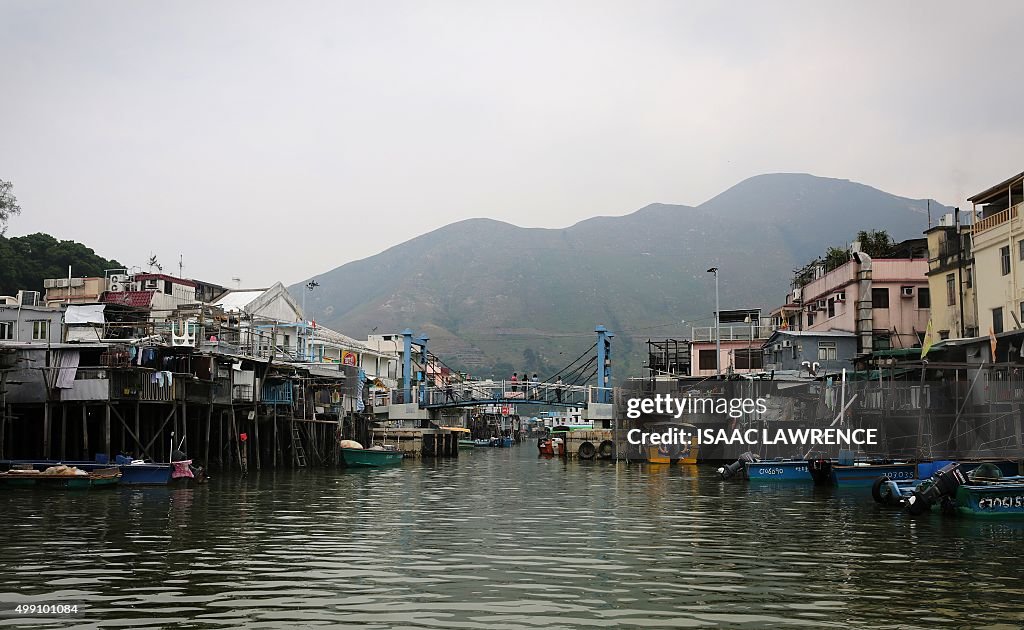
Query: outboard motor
<point x="942" y="485"/>
<point x="728" y="472"/>
<point x="821" y="471"/>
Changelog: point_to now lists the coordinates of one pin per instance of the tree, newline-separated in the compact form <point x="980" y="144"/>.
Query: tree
<point x="154" y="263"/>
<point x="876" y="243"/>
<point x="8" y="205"/>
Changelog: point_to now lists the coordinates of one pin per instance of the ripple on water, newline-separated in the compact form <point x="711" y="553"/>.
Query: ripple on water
<point x="500" y="540"/>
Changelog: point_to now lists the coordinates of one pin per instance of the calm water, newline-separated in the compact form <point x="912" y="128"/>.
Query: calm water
<point x="500" y="539"/>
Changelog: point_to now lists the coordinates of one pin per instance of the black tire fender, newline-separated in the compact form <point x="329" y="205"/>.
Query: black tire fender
<point x="587" y="451"/>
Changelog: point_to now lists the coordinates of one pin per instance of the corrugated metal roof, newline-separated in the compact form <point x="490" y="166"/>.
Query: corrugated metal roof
<point x="238" y="299"/>
<point x="138" y="299"/>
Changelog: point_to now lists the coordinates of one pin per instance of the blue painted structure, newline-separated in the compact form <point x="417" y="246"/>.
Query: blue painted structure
<point x="408" y="341"/>
<point x="604" y="363"/>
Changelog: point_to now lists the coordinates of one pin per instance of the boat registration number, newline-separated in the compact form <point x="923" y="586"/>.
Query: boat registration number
<point x="1001" y="503"/>
<point x="779" y="471"/>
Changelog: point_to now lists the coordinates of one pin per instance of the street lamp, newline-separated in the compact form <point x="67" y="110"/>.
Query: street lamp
<point x="718" y="337"/>
<point x="312" y="284"/>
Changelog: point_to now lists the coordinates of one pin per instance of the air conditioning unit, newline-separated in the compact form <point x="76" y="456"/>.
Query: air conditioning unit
<point x="50" y="283"/>
<point x="63" y="283"/>
<point x="841" y="296"/>
<point x="809" y="308"/>
<point x="78" y="282"/>
<point x="906" y="292"/>
<point x="777" y="347"/>
<point x="116" y="287"/>
<point x="787" y="343"/>
<point x="797" y="296"/>
<point x="822" y="305"/>
<point x="947" y="220"/>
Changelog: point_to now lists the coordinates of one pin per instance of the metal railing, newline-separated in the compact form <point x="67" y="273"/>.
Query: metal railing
<point x="735" y="332"/>
<point x="503" y="392"/>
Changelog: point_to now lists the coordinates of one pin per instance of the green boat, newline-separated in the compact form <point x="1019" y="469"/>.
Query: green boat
<point x="995" y="498"/>
<point x="371" y="457"/>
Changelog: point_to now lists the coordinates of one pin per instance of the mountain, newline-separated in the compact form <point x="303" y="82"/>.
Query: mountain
<point x="498" y="298"/>
<point x="25" y="261"/>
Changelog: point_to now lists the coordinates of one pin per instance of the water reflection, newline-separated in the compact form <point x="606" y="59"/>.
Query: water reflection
<point x="500" y="539"/>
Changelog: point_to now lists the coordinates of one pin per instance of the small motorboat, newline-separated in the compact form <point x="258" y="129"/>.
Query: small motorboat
<point x="551" y="447"/>
<point x="61" y="476"/>
<point x="356" y="456"/>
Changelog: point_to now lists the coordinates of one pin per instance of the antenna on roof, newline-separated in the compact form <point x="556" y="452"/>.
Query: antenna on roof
<point x="181" y="266"/>
<point x="238" y="282"/>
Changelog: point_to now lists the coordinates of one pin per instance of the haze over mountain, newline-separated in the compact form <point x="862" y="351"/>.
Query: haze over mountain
<point x="496" y="298"/>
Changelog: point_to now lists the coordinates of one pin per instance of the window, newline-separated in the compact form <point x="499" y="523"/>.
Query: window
<point x="951" y="290"/>
<point x="1004" y="259"/>
<point x="6" y="330"/>
<point x="924" y="297"/>
<point x="40" y="330"/>
<point x="943" y="334"/>
<point x="168" y="287"/>
<point x="1020" y="247"/>
<point x="810" y="319"/>
<point x="970" y="277"/>
<point x="880" y="298"/>
<point x="972" y="331"/>
<point x="827" y="351"/>
<point x="997" y="320"/>
<point x="831" y="307"/>
<point x="748" y="359"/>
<point x="706" y="360"/>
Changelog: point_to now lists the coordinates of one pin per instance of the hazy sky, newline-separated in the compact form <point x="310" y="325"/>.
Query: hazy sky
<point x="279" y="140"/>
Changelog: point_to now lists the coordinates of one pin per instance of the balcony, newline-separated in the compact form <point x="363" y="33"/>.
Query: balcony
<point x="996" y="219"/>
<point x="735" y="332"/>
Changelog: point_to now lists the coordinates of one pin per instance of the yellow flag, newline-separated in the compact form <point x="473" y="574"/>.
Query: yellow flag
<point x="928" y="335"/>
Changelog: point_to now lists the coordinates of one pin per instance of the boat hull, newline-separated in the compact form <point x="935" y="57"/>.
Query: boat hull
<point x="866" y="475"/>
<point x="787" y="470"/>
<point x="995" y="500"/>
<point x="370" y="458"/>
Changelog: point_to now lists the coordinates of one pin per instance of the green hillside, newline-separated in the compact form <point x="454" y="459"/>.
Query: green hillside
<point x="25" y="261"/>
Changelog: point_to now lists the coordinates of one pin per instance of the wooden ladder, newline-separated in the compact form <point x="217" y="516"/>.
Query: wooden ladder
<point x="300" y="452"/>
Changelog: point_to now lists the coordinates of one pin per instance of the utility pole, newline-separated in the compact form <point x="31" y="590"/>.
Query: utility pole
<point x="718" y="336"/>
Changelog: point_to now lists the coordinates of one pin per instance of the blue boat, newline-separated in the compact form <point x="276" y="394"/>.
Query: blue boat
<point x="865" y="474"/>
<point x="147" y="474"/>
<point x="778" y="470"/>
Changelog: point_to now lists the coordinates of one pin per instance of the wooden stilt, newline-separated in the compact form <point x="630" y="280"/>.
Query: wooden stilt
<point x="46" y="430"/>
<point x="85" y="431"/>
<point x="206" y="449"/>
<point x="138" y="419"/>
<point x="256" y="437"/>
<point x="275" y="444"/>
<point x="63" y="432"/>
<point x="106" y="429"/>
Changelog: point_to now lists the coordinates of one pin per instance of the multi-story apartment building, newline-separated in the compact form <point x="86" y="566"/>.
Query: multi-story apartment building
<point x="997" y="242"/>
<point x="954" y="308"/>
<point x="743" y="333"/>
<point x="884" y="301"/>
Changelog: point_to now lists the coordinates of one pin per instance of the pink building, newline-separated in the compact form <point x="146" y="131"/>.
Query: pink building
<point x="900" y="301"/>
